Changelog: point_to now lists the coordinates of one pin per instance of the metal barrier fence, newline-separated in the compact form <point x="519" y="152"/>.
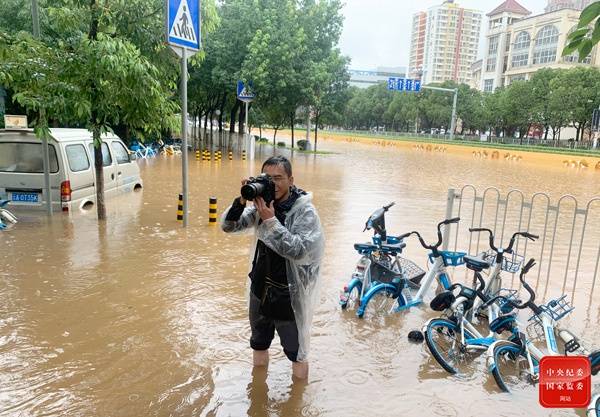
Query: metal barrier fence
<point x="548" y="143"/>
<point x="567" y="251"/>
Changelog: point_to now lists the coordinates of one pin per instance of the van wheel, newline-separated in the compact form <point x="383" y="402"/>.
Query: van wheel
<point x="137" y="187"/>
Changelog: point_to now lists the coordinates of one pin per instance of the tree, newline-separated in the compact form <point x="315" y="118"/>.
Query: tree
<point x="91" y="51"/>
<point x="587" y="34"/>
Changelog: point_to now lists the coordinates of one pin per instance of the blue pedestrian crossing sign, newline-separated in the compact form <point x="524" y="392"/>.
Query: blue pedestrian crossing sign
<point x="183" y="24"/>
<point x="245" y="92"/>
<point x="404" y="84"/>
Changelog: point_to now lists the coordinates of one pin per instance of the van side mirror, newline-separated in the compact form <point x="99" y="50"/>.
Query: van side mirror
<point x="132" y="156"/>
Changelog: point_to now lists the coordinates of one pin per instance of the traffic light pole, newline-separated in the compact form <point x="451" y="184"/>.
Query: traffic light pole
<point x="453" y="119"/>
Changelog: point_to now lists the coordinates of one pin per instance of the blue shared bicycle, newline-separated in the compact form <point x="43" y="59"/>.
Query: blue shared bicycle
<point x="383" y="281"/>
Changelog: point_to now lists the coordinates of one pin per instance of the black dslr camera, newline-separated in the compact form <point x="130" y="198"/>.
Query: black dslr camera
<point x="260" y="186"/>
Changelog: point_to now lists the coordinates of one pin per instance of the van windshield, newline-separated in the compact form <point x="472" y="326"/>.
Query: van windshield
<point x="25" y="158"/>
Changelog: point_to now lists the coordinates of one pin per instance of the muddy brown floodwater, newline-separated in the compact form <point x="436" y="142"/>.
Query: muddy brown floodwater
<point x="144" y="318"/>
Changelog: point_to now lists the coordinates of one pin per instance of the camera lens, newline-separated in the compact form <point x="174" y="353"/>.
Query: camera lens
<point x="252" y="190"/>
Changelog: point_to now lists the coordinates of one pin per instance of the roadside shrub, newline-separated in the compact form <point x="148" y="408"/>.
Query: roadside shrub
<point x="281" y="144"/>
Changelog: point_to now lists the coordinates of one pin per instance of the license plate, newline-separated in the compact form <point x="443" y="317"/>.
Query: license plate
<point x="25" y="197"/>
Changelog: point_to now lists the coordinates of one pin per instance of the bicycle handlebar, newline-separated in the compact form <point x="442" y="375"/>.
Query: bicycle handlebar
<point x="529" y="303"/>
<point x="435" y="246"/>
<point x="509" y="248"/>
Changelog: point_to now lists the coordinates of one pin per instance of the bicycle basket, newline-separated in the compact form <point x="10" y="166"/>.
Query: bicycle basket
<point x="450" y="258"/>
<point x="558" y="308"/>
<point x="381" y="272"/>
<point x="510" y="295"/>
<point x="411" y="271"/>
<point x="511" y="262"/>
<point x="535" y="329"/>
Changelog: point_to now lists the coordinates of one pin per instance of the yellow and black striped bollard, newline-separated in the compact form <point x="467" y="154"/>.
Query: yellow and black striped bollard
<point x="197" y="155"/>
<point x="180" y="208"/>
<point x="230" y="154"/>
<point x="206" y="155"/>
<point x="243" y="154"/>
<point x="212" y="211"/>
<point x="219" y="155"/>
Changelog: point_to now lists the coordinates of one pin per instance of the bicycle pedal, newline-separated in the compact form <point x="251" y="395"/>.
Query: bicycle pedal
<point x="572" y="346"/>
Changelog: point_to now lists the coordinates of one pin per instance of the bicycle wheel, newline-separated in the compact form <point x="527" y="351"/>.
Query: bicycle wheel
<point x="350" y="296"/>
<point x="509" y="366"/>
<point x="443" y="339"/>
<point x="380" y="300"/>
<point x="594" y="408"/>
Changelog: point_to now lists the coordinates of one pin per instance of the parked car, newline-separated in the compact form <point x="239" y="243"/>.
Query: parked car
<point x="72" y="172"/>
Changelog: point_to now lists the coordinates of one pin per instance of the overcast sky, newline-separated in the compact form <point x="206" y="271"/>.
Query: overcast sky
<point x="377" y="32"/>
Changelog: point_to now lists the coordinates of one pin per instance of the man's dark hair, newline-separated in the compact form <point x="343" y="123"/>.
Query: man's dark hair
<point x="281" y="161"/>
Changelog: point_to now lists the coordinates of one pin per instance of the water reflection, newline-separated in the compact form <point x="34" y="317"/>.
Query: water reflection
<point x="142" y="317"/>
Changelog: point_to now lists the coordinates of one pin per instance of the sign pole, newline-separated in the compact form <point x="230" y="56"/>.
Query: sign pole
<point x="453" y="121"/>
<point x="184" y="153"/>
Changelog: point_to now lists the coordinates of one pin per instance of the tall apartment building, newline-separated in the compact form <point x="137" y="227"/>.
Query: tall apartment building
<point x="519" y="44"/>
<point x="554" y="5"/>
<point x="417" y="45"/>
<point x="444" y="43"/>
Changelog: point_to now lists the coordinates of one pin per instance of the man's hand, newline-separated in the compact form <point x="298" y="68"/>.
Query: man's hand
<point x="242" y="199"/>
<point x="265" y="212"/>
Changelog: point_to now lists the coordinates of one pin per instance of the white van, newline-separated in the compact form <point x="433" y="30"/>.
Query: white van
<point x="72" y="172"/>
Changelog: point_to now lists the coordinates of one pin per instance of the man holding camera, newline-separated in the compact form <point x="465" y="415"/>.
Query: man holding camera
<point x="284" y="279"/>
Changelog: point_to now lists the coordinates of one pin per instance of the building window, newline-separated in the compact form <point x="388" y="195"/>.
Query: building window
<point x="522" y="41"/>
<point x="493" y="46"/>
<point x="518" y="77"/>
<point x="520" y="54"/>
<point x="546" y="43"/>
<point x="488" y="86"/>
<point x="490" y="65"/>
<point x="520" y="60"/>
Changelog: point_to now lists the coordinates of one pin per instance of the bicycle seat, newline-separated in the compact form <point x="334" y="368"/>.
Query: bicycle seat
<point x="503" y="323"/>
<point x="442" y="301"/>
<point x="595" y="360"/>
<point x="364" y="248"/>
<point x="476" y="263"/>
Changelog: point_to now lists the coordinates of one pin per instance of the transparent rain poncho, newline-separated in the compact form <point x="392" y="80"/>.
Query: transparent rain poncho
<point x="301" y="243"/>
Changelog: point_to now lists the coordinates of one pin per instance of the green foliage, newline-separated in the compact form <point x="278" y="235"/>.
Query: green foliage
<point x="587" y="35"/>
<point x="551" y="100"/>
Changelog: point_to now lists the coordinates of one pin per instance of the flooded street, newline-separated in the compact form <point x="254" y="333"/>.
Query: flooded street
<point x="145" y="318"/>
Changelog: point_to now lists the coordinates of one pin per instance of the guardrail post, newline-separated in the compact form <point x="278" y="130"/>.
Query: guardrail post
<point x="449" y="211"/>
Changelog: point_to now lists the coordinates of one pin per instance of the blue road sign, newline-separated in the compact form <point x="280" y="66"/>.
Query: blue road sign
<point x="245" y="92"/>
<point x="402" y="84"/>
<point x="183" y="23"/>
<point x="391" y="83"/>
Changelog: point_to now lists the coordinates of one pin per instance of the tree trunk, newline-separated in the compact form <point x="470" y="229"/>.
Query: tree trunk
<point x="274" y="135"/>
<point x="546" y="133"/>
<point x="292" y="126"/>
<point x="233" y="114"/>
<point x="99" y="167"/>
<point x="222" y="111"/>
<point x="317" y="116"/>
